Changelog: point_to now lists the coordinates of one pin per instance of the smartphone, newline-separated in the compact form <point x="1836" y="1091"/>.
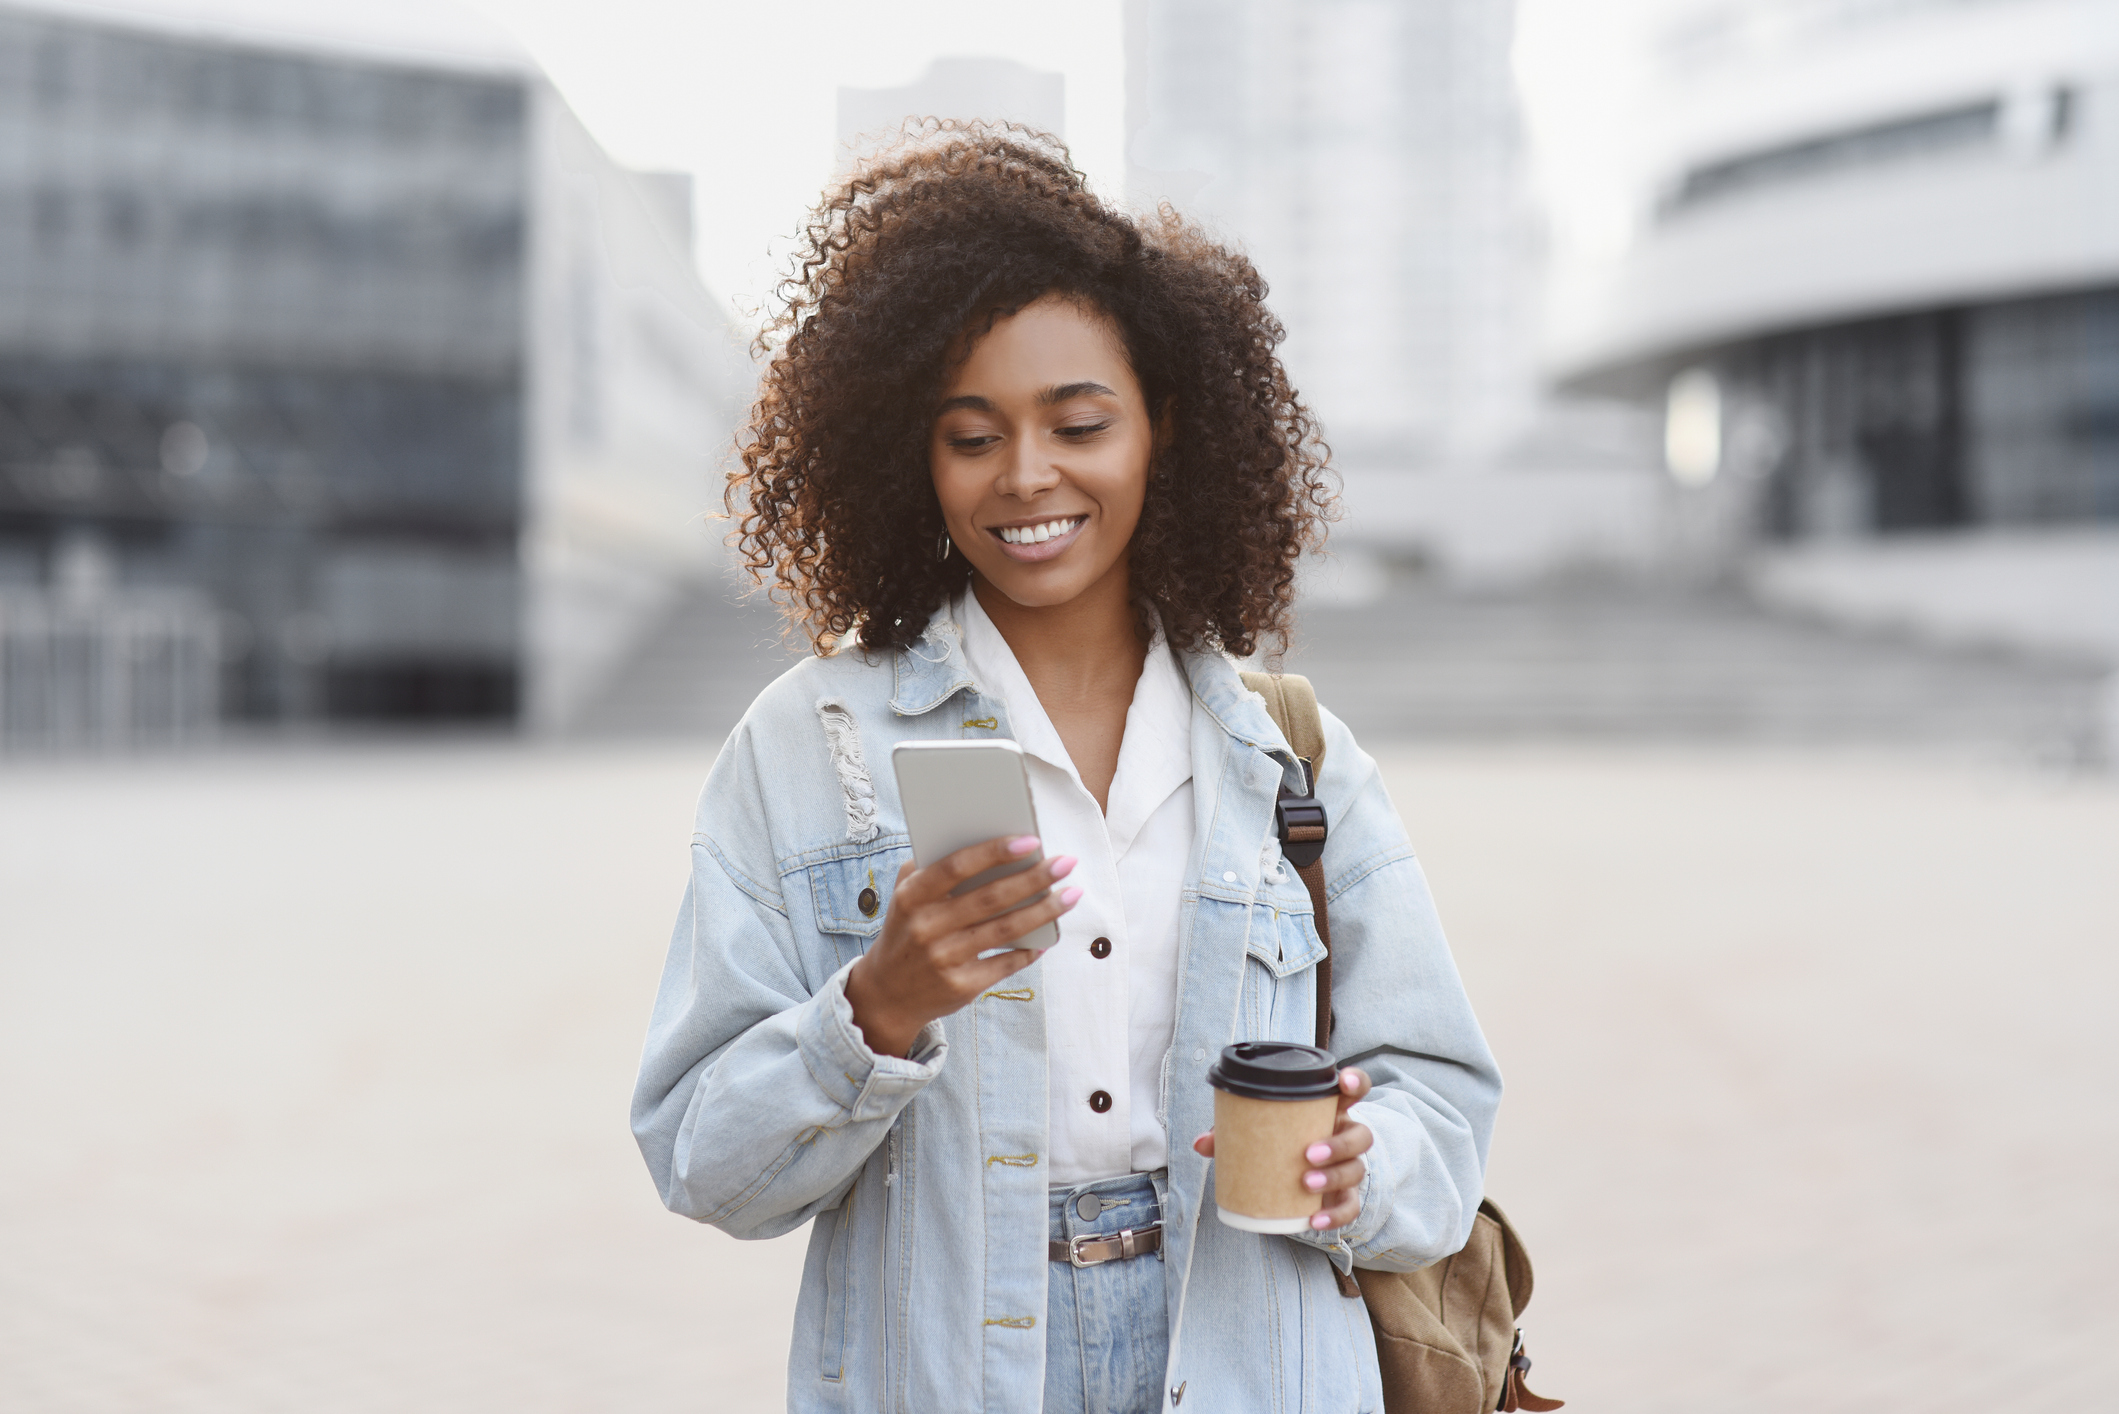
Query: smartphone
<point x="959" y="793"/>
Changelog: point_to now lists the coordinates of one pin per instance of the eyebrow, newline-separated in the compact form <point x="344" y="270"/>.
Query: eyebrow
<point x="1065" y="391"/>
<point x="1057" y="393"/>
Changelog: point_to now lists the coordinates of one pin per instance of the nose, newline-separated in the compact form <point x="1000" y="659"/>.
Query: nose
<point x="1026" y="471"/>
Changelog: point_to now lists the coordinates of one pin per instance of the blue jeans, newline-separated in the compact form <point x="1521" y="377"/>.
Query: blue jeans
<point x="1107" y="1327"/>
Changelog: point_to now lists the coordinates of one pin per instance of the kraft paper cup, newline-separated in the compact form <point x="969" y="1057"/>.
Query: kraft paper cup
<point x="1272" y="1100"/>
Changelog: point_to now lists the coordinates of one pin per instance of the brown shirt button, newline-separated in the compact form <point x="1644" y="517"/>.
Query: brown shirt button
<point x="1100" y="948"/>
<point x="1100" y="1101"/>
<point x="867" y="902"/>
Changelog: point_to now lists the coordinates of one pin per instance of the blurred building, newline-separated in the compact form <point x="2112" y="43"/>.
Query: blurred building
<point x="1368" y="155"/>
<point x="954" y="87"/>
<point x="337" y="337"/>
<point x="1873" y="278"/>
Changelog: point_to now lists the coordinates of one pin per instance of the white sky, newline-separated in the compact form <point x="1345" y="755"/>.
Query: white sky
<point x="742" y="93"/>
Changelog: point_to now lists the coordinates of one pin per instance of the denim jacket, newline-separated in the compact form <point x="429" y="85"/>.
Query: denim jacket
<point x="759" y="1107"/>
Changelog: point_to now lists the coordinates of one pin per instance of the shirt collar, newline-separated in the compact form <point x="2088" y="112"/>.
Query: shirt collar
<point x="1155" y="757"/>
<point x="933" y="669"/>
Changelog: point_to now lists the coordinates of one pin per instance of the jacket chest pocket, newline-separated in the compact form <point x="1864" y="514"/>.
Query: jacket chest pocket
<point x="852" y="892"/>
<point x="1280" y="980"/>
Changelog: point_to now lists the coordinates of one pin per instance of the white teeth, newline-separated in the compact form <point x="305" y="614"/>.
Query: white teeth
<point x="1039" y="534"/>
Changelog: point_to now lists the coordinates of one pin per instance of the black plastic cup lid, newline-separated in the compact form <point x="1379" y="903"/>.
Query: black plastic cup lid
<point x="1275" y="1070"/>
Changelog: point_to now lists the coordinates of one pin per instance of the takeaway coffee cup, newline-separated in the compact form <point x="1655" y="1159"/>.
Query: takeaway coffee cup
<point x="1272" y="1100"/>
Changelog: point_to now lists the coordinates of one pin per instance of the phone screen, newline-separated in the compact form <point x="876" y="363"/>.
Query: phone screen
<point x="961" y="793"/>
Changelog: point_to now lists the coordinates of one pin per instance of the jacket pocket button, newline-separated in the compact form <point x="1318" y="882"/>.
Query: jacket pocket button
<point x="1100" y="1101"/>
<point x="867" y="903"/>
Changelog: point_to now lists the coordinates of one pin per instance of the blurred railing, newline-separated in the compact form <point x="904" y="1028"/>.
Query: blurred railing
<point x="110" y="670"/>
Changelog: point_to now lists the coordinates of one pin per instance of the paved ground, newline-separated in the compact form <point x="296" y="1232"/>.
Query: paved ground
<point x="313" y="1068"/>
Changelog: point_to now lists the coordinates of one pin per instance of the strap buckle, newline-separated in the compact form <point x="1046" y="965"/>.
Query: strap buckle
<point x="1300" y="821"/>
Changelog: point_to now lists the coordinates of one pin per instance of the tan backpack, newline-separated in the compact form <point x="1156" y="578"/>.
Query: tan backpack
<point x="1446" y="1335"/>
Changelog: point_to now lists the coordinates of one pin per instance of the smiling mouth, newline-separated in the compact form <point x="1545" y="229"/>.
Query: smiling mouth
<point x="1038" y="534"/>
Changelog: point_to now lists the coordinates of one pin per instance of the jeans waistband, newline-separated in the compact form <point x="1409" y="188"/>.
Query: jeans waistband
<point x="1132" y="1200"/>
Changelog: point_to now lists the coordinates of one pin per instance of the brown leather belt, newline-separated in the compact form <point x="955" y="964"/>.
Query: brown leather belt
<point x="1094" y="1251"/>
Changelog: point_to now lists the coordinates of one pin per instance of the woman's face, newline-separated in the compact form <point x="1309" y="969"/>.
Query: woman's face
<point x="1040" y="453"/>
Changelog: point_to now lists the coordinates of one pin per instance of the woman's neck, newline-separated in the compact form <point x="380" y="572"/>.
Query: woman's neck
<point x="1083" y="659"/>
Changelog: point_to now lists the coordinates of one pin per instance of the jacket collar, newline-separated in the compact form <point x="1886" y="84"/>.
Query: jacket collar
<point x="1241" y="713"/>
<point x="930" y="670"/>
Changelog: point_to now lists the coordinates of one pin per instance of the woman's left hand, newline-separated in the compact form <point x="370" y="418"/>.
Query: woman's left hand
<point x="1336" y="1167"/>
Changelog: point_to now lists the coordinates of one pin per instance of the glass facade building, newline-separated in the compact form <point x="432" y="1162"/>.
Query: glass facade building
<point x="2003" y="414"/>
<point x="262" y="323"/>
<point x="269" y="335"/>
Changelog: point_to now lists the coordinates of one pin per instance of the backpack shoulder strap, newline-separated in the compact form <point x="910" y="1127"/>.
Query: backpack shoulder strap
<point x="1303" y="827"/>
<point x="1301" y="821"/>
<point x="1293" y="705"/>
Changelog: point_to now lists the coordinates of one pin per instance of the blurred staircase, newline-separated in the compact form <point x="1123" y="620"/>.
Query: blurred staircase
<point x="1595" y="660"/>
<point x="696" y="672"/>
<point x="1611" y="660"/>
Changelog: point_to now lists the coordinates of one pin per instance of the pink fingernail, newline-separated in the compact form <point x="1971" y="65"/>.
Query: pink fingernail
<point x="1317" y="1153"/>
<point x="1321" y="1221"/>
<point x="1314" y="1181"/>
<point x="1063" y="866"/>
<point x="1022" y="844"/>
<point x="1349" y="1082"/>
<point x="1068" y="896"/>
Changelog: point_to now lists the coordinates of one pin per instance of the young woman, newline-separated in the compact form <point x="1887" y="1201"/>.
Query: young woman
<point x="1023" y="466"/>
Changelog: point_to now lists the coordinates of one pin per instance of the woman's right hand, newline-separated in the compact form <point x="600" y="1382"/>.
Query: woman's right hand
<point x="926" y="964"/>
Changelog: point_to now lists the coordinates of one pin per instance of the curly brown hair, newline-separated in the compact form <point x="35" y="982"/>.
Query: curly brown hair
<point x="956" y="227"/>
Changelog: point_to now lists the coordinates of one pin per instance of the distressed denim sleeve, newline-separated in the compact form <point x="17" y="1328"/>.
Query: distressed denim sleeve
<point x="758" y="1100"/>
<point x="1401" y="1014"/>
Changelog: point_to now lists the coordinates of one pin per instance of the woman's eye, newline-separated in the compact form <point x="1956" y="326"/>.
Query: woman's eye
<point x="1078" y="431"/>
<point x="971" y="443"/>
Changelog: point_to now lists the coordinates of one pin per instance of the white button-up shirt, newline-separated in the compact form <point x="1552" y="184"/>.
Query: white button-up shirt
<point x="1108" y="1020"/>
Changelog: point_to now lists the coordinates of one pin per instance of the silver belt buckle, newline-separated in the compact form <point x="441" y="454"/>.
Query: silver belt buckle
<point x="1124" y="1238"/>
